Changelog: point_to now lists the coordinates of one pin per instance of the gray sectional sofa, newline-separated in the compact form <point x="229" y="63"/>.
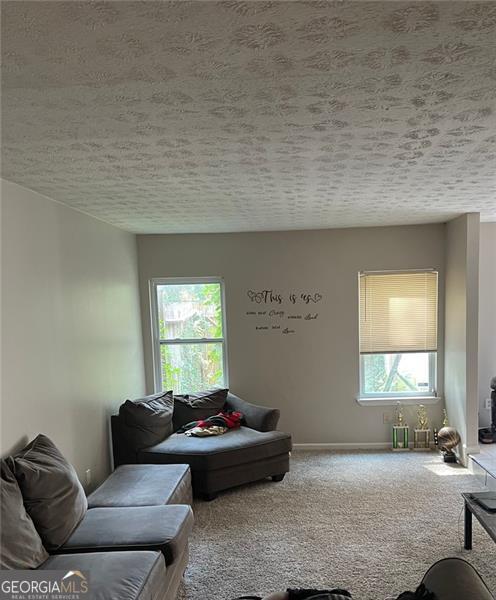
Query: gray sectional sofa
<point x="124" y="575"/>
<point x="144" y="510"/>
<point x="131" y="533"/>
<point x="252" y="452"/>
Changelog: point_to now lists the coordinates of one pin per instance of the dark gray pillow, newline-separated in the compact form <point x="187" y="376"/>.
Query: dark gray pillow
<point x="150" y="418"/>
<point x="200" y="405"/>
<point x="20" y="544"/>
<point x="53" y="496"/>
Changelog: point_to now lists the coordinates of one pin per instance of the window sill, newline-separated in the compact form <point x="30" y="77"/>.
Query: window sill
<point x="405" y="400"/>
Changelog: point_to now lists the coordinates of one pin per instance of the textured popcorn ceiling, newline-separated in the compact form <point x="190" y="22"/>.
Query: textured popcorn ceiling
<point x="241" y="115"/>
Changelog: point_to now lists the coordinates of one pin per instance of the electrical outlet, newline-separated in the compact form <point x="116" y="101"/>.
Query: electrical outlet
<point x="488" y="404"/>
<point x="88" y="476"/>
<point x="386" y="417"/>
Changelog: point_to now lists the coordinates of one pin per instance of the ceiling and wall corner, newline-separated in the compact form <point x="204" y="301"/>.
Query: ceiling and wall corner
<point x="71" y="348"/>
<point x="174" y="117"/>
<point x="163" y="117"/>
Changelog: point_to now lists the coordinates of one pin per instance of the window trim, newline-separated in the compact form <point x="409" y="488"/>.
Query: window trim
<point x="406" y="400"/>
<point x="157" y="342"/>
<point x="431" y="393"/>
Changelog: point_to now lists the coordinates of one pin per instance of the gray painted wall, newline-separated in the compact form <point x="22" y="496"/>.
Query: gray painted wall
<point x="311" y="375"/>
<point x="487" y="316"/>
<point x="461" y="339"/>
<point x="71" y="332"/>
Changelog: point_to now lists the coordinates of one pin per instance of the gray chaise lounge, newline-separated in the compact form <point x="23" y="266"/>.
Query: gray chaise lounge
<point x="253" y="452"/>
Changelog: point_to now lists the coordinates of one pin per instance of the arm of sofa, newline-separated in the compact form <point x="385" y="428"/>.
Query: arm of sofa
<point x="256" y="417"/>
<point x="123" y="445"/>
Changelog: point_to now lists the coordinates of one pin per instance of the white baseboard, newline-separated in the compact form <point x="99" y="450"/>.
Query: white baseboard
<point x="344" y="446"/>
<point x="472" y="449"/>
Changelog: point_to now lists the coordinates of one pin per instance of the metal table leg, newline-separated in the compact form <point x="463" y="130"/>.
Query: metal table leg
<point x="468" y="527"/>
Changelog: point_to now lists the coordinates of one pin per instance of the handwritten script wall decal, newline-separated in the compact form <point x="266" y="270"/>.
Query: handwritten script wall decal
<point x="269" y="297"/>
<point x="270" y="320"/>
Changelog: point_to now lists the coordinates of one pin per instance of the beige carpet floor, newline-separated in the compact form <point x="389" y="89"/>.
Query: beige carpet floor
<point x="371" y="522"/>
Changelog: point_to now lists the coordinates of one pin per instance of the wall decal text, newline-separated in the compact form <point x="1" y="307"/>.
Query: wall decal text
<point x="279" y="314"/>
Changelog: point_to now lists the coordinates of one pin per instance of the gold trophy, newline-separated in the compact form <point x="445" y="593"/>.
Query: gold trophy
<point x="399" y="419"/>
<point x="400" y="431"/>
<point x="423" y="422"/>
<point x="422" y="433"/>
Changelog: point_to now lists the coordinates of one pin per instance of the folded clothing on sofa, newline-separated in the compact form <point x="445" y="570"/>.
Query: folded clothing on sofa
<point x="214" y="425"/>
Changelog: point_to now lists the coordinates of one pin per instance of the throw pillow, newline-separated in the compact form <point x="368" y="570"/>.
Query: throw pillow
<point x="200" y="405"/>
<point x="150" y="418"/>
<point x="21" y="544"/>
<point x="53" y="496"/>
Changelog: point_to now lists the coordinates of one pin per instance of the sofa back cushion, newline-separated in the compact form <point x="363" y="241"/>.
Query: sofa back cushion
<point x="200" y="405"/>
<point x="53" y="496"/>
<point x="150" y="418"/>
<point x="20" y="544"/>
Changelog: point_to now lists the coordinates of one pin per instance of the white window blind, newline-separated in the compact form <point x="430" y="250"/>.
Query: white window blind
<point x="398" y="312"/>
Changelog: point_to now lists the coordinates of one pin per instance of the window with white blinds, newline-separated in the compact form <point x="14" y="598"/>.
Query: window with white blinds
<point x="398" y="334"/>
<point x="398" y="312"/>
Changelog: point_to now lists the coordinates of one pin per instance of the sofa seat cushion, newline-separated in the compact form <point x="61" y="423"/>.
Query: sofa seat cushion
<point x="163" y="528"/>
<point x="236" y="447"/>
<point x="122" y="575"/>
<point x="144" y="485"/>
